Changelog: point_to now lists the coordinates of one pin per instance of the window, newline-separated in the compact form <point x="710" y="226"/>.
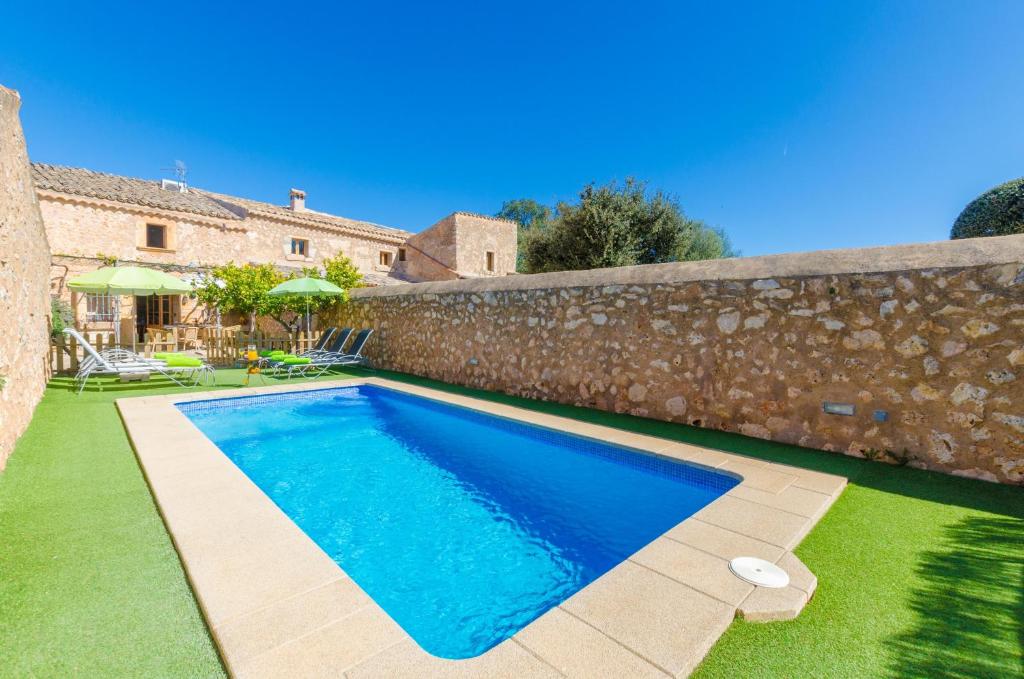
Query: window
<point x="300" y="246"/>
<point x="156" y="236"/>
<point x="401" y="254"/>
<point x="99" y="307"/>
<point x="490" y="261"/>
<point x="385" y="258"/>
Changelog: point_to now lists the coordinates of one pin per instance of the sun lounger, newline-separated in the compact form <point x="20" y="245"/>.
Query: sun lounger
<point x="324" y="362"/>
<point x="321" y="344"/>
<point x="330" y="335"/>
<point x="286" y="362"/>
<point x="125" y="363"/>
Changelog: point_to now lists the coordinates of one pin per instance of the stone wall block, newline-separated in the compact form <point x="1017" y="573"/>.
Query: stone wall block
<point x="933" y="349"/>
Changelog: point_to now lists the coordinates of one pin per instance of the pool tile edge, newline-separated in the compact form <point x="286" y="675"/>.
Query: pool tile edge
<point x="154" y="426"/>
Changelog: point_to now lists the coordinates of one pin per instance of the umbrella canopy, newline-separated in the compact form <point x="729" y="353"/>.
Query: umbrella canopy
<point x="129" y="280"/>
<point x="307" y="287"/>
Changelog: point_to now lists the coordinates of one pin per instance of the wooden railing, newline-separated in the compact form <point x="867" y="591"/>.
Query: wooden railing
<point x="219" y="346"/>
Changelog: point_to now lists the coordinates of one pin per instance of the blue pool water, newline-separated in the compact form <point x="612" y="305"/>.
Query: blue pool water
<point x="463" y="526"/>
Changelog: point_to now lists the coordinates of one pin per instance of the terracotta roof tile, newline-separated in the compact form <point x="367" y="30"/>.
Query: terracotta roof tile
<point x="80" y="182"/>
<point x="313" y="218"/>
<point x="493" y="218"/>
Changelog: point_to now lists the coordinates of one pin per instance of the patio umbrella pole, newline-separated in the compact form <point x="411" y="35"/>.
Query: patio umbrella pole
<point x="135" y="330"/>
<point x="307" y="287"/>
<point x="128" y="280"/>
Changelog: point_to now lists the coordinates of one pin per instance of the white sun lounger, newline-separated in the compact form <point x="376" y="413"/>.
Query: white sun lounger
<point x="116" y="361"/>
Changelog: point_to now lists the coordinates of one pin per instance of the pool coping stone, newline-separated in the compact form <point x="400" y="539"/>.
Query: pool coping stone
<point x="277" y="605"/>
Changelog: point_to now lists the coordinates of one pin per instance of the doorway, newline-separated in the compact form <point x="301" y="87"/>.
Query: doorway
<point x="156" y="310"/>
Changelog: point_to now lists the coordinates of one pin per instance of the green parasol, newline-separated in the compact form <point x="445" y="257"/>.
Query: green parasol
<point x="129" y="280"/>
<point x="307" y="287"/>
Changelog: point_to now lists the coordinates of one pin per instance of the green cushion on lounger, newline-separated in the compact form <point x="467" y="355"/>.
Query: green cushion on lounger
<point x="266" y="352"/>
<point x="296" y="360"/>
<point x="180" y="361"/>
<point x="164" y="355"/>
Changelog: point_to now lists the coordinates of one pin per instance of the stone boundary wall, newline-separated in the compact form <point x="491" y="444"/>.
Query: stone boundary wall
<point x="925" y="342"/>
<point x="24" y="282"/>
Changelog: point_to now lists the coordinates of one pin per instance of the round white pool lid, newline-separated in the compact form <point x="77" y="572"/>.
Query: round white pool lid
<point x="759" y="572"/>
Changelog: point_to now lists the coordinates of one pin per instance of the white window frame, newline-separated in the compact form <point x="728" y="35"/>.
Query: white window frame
<point x="99" y="307"/>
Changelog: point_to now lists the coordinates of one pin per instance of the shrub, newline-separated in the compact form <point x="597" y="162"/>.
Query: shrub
<point x="997" y="212"/>
<point x="61" y="316"/>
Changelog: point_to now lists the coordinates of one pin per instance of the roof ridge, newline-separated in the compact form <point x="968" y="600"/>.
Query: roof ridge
<point x="304" y="215"/>
<point x="99" y="173"/>
<point x="496" y="218"/>
<point x="214" y="195"/>
<point x="80" y="181"/>
<point x="75" y="181"/>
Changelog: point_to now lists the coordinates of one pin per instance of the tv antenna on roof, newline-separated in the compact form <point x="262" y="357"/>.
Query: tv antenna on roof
<point x="180" y="171"/>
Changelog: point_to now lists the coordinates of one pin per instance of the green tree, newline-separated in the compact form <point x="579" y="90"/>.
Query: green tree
<point x="243" y="289"/>
<point x="532" y="218"/>
<point x="997" y="212"/>
<point x="704" y="242"/>
<point x="342" y="272"/>
<point x="615" y="225"/>
<point x="338" y="270"/>
<point x="526" y="212"/>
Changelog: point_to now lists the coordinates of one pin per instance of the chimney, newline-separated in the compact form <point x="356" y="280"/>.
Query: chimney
<point x="298" y="199"/>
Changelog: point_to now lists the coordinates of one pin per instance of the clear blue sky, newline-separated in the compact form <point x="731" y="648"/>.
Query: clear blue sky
<point x="793" y="126"/>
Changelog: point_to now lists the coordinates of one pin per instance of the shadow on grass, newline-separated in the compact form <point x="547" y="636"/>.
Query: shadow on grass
<point x="969" y="605"/>
<point x="107" y="388"/>
<point x="908" y="481"/>
<point x="113" y="385"/>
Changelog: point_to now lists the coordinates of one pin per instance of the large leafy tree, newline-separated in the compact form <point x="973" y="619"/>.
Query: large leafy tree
<point x="244" y="289"/>
<point x="532" y="218"/>
<point x="526" y="212"/>
<point x="704" y="242"/>
<point x="620" y="225"/>
<point x="997" y="212"/>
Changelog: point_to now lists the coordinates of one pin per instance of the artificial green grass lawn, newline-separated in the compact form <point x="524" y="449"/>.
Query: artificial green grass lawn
<point x="919" y="574"/>
<point x="90" y="584"/>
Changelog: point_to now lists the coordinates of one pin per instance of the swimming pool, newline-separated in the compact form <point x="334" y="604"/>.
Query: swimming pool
<point x="463" y="526"/>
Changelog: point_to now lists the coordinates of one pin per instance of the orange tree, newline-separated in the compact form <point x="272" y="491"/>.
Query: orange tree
<point x="243" y="289"/>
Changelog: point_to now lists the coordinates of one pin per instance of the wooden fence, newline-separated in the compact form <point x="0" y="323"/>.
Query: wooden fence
<point x="219" y="346"/>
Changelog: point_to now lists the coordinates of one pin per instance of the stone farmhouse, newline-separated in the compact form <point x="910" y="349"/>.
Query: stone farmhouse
<point x="93" y="218"/>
